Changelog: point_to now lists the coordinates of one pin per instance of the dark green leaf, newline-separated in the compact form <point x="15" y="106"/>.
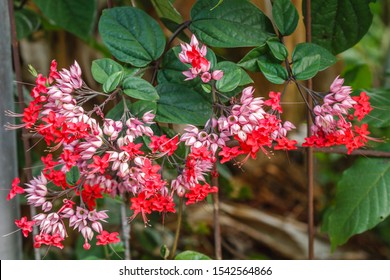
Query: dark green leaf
<point x="139" y="88"/>
<point x="338" y="25"/>
<point x="285" y="16"/>
<point x="118" y="111"/>
<point x="140" y="107"/>
<point x="232" y="23"/>
<point x="77" y="17"/>
<point x="250" y="60"/>
<point x="362" y="200"/>
<point x="380" y="101"/>
<point x="308" y="49"/>
<point x="72" y="176"/>
<point x="245" y="78"/>
<point x="358" y="76"/>
<point x="191" y="255"/>
<point x="182" y="105"/>
<point x="103" y="68"/>
<point x="165" y="9"/>
<point x="26" y="22"/>
<point x="273" y="71"/>
<point x="278" y="50"/>
<point x="113" y="81"/>
<point x="231" y="77"/>
<point x="306" y="67"/>
<point x="131" y="35"/>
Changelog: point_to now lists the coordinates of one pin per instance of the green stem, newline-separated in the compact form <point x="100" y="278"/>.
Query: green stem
<point x="178" y="226"/>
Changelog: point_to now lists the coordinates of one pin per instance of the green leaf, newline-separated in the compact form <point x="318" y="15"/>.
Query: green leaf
<point x="117" y="112"/>
<point x="362" y="200"/>
<point x="307" y="49"/>
<point x="26" y="22"/>
<point x="139" y="88"/>
<point x="358" y="76"/>
<point x="273" y="71"/>
<point x="232" y="23"/>
<point x="380" y="100"/>
<point x="251" y="59"/>
<point x="182" y="105"/>
<point x="278" y="50"/>
<point x="131" y="35"/>
<point x="140" y="107"/>
<point x="191" y="255"/>
<point x="338" y="25"/>
<point x="165" y="9"/>
<point x="72" y="176"/>
<point x="77" y="17"/>
<point x="103" y="68"/>
<point x="164" y="252"/>
<point x="206" y="88"/>
<point x="245" y="78"/>
<point x="113" y="81"/>
<point x="306" y="67"/>
<point x="231" y="76"/>
<point x="285" y="16"/>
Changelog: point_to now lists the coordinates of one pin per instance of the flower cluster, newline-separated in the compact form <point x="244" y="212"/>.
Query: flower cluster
<point x="196" y="56"/>
<point x="247" y="126"/>
<point x="91" y="156"/>
<point x="332" y="123"/>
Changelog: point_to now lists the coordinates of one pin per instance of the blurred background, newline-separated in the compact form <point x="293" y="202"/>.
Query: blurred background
<point x="263" y="205"/>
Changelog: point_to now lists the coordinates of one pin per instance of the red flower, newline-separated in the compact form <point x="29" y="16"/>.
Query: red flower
<point x="99" y="163"/>
<point x="229" y="153"/>
<point x="105" y="238"/>
<point x="162" y="204"/>
<point x="163" y="144"/>
<point x="70" y="158"/>
<point x="47" y="239"/>
<point x="24" y="225"/>
<point x="362" y="107"/>
<point x="15" y="189"/>
<point x="199" y="193"/>
<point x="133" y="149"/>
<point x="89" y="195"/>
<point x="274" y="101"/>
<point x="285" y="144"/>
<point x="140" y="205"/>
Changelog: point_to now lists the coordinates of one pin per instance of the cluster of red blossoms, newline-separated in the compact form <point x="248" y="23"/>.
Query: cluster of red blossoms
<point x="118" y="157"/>
<point x="332" y="124"/>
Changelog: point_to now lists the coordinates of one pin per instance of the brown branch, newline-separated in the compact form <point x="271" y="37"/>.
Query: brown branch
<point x="309" y="151"/>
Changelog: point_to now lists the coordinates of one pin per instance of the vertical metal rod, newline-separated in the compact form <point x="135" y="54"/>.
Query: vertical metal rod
<point x="309" y="151"/>
<point x="11" y="244"/>
<point x="26" y="141"/>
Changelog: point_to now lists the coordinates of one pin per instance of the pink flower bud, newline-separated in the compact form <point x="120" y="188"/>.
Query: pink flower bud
<point x="96" y="226"/>
<point x="217" y="75"/>
<point x="148" y="117"/>
<point x="46" y="207"/>
<point x="242" y="135"/>
<point x="206" y="77"/>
